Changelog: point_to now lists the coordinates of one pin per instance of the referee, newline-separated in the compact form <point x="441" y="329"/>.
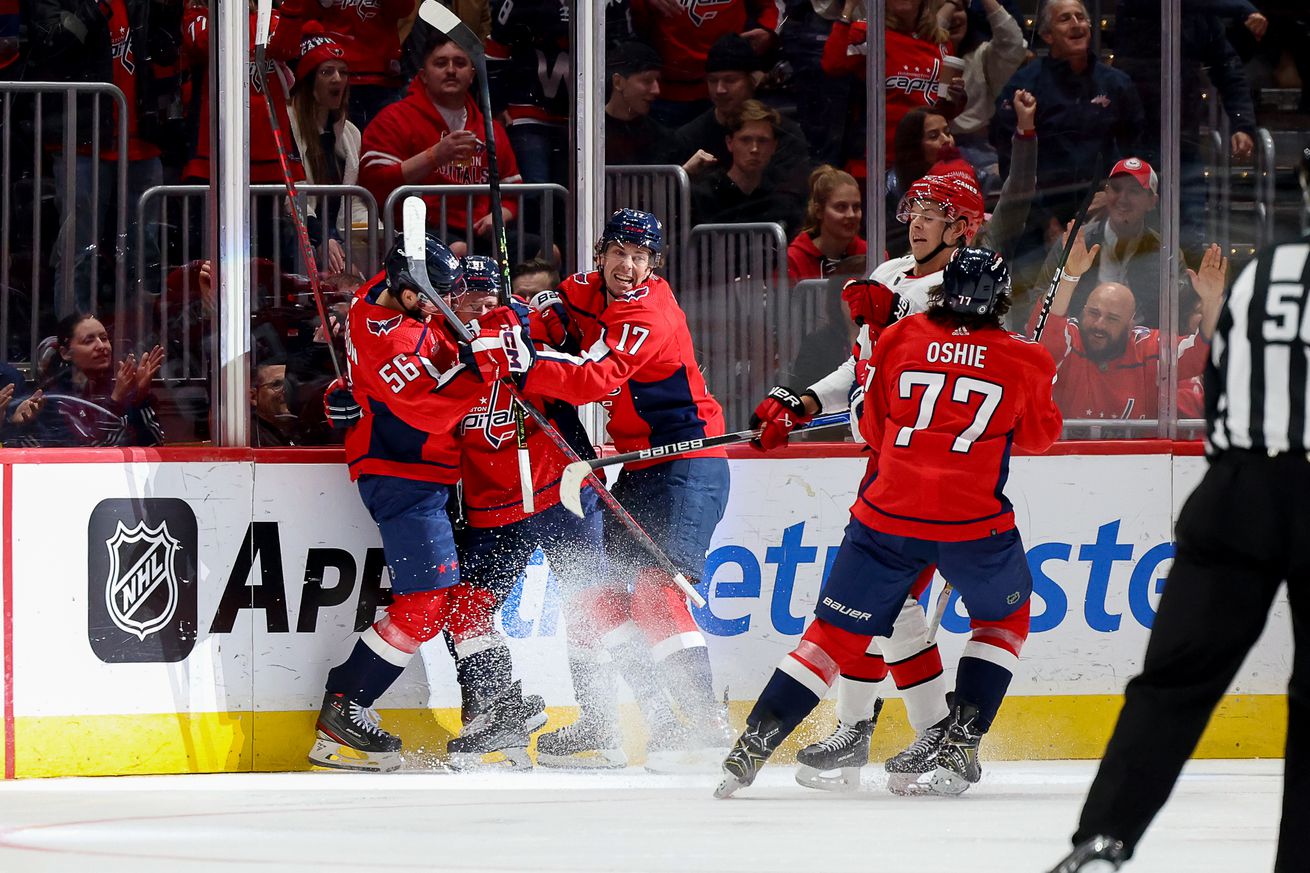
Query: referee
<point x="1241" y="534"/>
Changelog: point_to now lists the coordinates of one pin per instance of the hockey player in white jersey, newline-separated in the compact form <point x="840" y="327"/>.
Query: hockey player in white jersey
<point x="944" y="212"/>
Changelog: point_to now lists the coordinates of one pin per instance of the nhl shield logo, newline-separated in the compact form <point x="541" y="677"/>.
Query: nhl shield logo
<point x="141" y="590"/>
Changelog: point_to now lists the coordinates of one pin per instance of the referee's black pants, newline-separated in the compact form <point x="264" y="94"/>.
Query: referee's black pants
<point x="1243" y="532"/>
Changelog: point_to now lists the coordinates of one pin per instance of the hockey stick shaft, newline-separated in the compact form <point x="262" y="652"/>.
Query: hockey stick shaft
<point x="415" y="223"/>
<point x="263" y="19"/>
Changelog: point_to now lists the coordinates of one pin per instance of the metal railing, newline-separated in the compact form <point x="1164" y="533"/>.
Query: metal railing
<point x="660" y="189"/>
<point x="545" y="201"/>
<point x="734" y="292"/>
<point x="20" y="191"/>
<point x="1266" y="179"/>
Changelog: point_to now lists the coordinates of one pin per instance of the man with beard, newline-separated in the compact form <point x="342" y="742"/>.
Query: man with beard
<point x="1108" y="368"/>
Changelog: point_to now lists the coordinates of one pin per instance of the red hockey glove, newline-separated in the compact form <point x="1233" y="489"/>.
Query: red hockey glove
<point x="515" y="314"/>
<point x="776" y="417"/>
<point x="498" y="354"/>
<point x="871" y="303"/>
<point x="339" y="405"/>
<point x="551" y="325"/>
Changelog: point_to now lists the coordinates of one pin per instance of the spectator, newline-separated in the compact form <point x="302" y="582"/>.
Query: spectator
<point x="831" y="232"/>
<point x="1130" y="250"/>
<point x="433" y="137"/>
<point x="132" y="44"/>
<point x="275" y="425"/>
<point x="528" y="62"/>
<point x="1107" y="367"/>
<point x="742" y="192"/>
<point x="369" y="37"/>
<point x="916" y="51"/>
<point x="19" y="407"/>
<point x="988" y="65"/>
<point x="732" y="72"/>
<point x="922" y="138"/>
<point x="327" y="140"/>
<point x="631" y="135"/>
<point x="1086" y="111"/>
<point x="90" y="402"/>
<point x="532" y="277"/>
<point x="683" y="33"/>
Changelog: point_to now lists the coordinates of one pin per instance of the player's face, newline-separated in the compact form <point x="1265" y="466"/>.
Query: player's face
<point x="954" y="17"/>
<point x="1107" y="316"/>
<point x="447" y="73"/>
<point x="936" y="136"/>
<point x="1070" y="32"/>
<point x="330" y="84"/>
<point x="625" y="266"/>
<point x="841" y="215"/>
<point x="639" y="90"/>
<point x="472" y="304"/>
<point x="929" y="228"/>
<point x="729" y="89"/>
<point x="1127" y="202"/>
<point x="89" y="348"/>
<point x="270" y="392"/>
<point x="753" y="146"/>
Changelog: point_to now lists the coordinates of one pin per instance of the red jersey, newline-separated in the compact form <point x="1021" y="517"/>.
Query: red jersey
<point x="406" y="128"/>
<point x="637" y="360"/>
<point x="913" y="68"/>
<point x="283" y="44"/>
<point x="684" y="40"/>
<point x="1126" y="387"/>
<point x="368" y="32"/>
<point x="805" y="261"/>
<point x="412" y="388"/>
<point x="942" y="408"/>
<point x="124" y="62"/>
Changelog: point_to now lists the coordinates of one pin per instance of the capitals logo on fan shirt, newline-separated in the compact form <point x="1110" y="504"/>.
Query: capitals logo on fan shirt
<point x="383" y="326"/>
<point x="494" y="419"/>
<point x="917" y="80"/>
<point x="701" y="11"/>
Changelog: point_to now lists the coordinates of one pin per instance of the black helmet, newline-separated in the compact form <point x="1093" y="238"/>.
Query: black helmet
<point x="974" y="281"/>
<point x="481" y="274"/>
<point x="444" y="271"/>
<point x="632" y="226"/>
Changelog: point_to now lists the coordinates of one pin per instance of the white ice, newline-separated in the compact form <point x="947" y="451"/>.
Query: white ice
<point x="1223" y="816"/>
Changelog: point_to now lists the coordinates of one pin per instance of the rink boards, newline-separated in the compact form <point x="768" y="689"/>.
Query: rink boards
<point x="177" y="610"/>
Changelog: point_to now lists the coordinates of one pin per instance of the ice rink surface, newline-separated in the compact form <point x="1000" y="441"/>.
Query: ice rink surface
<point x="1223" y="817"/>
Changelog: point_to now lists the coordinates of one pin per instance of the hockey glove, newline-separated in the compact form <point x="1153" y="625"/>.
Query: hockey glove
<point x="857" y="399"/>
<point x="871" y="302"/>
<point x="500" y="353"/>
<point x="516" y="314"/>
<point x="776" y="417"/>
<point x="340" y="407"/>
<point x="551" y="325"/>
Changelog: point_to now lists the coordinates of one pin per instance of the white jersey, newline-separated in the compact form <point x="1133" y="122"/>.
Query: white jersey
<point x="834" y="390"/>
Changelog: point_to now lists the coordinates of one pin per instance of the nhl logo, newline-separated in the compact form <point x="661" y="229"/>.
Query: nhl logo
<point x="141" y="590"/>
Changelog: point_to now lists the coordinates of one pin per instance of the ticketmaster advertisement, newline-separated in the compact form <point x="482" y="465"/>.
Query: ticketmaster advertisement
<point x="206" y="600"/>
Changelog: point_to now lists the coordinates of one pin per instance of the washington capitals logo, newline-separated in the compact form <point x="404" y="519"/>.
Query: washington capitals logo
<point x="494" y="419"/>
<point x="383" y="326"/>
<point x="701" y="11"/>
<point x="141" y="591"/>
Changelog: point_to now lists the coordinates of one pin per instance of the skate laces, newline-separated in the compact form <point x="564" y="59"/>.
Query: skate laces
<point x="926" y="741"/>
<point x="366" y="718"/>
<point x="839" y="738"/>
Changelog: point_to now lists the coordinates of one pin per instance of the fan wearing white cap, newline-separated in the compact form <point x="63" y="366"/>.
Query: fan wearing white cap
<point x="1130" y="246"/>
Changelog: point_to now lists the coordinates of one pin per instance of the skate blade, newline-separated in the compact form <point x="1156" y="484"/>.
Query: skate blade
<point x="331" y="755"/>
<point x="597" y="759"/>
<point x="848" y="778"/>
<point x="676" y="762"/>
<point x="535" y="723"/>
<point x="940" y="783"/>
<point x="729" y="786"/>
<point x="501" y="759"/>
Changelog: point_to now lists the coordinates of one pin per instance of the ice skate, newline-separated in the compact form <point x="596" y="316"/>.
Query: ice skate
<point x="955" y="766"/>
<point x="845" y="750"/>
<point x="349" y="738"/>
<point x="680" y="749"/>
<point x="1098" y="854"/>
<point x="743" y="763"/>
<point x="502" y="727"/>
<point x="590" y="743"/>
<point x="905" y="767"/>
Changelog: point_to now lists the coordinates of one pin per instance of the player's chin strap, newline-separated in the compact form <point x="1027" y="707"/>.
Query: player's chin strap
<point x="941" y="247"/>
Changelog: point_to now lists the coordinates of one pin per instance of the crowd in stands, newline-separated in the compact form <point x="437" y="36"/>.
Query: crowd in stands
<point x="1041" y="106"/>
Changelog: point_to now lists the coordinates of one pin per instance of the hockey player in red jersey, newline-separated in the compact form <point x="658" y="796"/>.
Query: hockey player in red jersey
<point x="414" y="384"/>
<point x="637" y="360"/>
<point x="947" y="393"/>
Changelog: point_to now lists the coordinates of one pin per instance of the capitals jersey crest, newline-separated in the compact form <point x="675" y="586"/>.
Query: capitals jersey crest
<point x="493" y="419"/>
<point x="701" y="11"/>
<point x="383" y="326"/>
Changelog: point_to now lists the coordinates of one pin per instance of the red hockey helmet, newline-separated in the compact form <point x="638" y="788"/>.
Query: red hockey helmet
<point x="956" y="193"/>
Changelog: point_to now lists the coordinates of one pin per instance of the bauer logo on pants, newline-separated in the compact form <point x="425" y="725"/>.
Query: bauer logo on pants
<point x="141" y="566"/>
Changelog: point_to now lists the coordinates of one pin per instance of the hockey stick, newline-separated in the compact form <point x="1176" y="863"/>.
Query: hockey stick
<point x="570" y="483"/>
<point x="415" y="229"/>
<point x="446" y="21"/>
<point x="1048" y="300"/>
<point x="263" y="20"/>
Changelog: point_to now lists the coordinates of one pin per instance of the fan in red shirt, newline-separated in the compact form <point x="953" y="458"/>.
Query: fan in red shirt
<point x="435" y="137"/>
<point x="637" y="360"/>
<point x="413" y="384"/>
<point x="947" y="394"/>
<point x="831" y="232"/>
<point x="369" y="34"/>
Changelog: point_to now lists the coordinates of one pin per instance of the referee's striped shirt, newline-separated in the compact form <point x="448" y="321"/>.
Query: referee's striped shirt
<point x="1256" y="381"/>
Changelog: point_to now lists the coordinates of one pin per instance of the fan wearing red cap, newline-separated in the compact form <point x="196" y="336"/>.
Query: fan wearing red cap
<point x="326" y="139"/>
